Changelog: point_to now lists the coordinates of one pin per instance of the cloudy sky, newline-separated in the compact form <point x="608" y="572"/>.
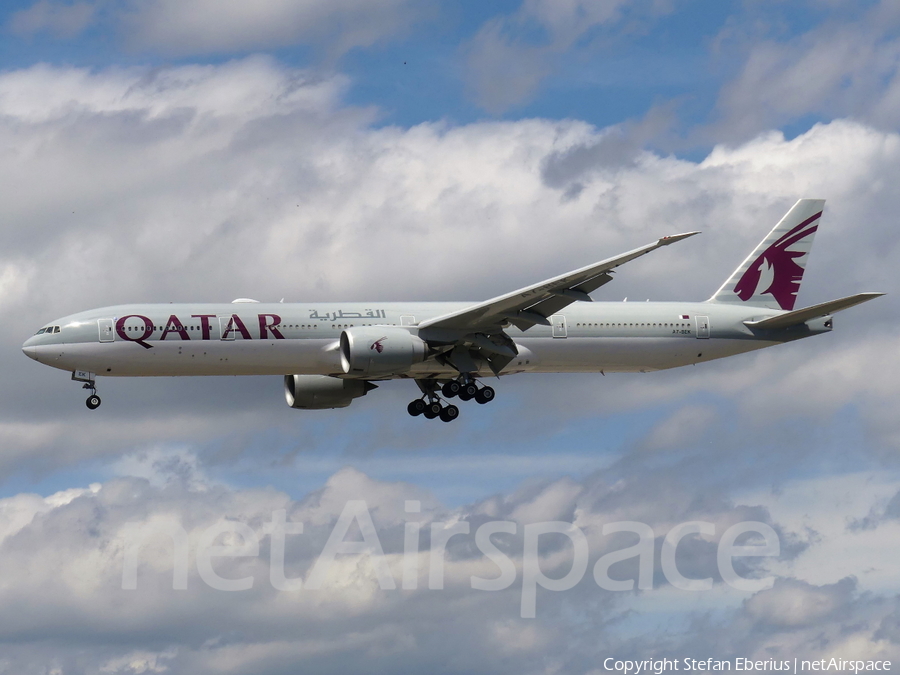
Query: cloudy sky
<point x="179" y="150"/>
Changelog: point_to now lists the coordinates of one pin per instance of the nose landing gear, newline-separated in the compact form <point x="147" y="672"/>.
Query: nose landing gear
<point x="93" y="401"/>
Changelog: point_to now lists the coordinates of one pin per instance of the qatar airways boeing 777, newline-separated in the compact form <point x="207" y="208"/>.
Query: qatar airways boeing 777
<point x="331" y="354"/>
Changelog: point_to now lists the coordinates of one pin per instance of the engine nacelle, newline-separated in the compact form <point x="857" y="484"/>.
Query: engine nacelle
<point x="379" y="350"/>
<point x="317" y="392"/>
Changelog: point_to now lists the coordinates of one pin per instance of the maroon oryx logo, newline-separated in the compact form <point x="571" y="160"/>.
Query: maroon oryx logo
<point x="784" y="274"/>
<point x="377" y="346"/>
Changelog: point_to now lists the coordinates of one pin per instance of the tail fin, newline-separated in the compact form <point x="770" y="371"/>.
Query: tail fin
<point x="770" y="276"/>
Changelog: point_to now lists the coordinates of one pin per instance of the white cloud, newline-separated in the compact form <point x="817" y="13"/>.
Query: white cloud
<point x="688" y="422"/>
<point x="162" y="465"/>
<point x="63" y="20"/>
<point x="239" y="91"/>
<point x="206" y="26"/>
<point x="842" y="67"/>
<point x="182" y="27"/>
<point x="793" y="603"/>
<point x="507" y="62"/>
<point x="251" y="179"/>
<point x="62" y="567"/>
<point x="19" y="511"/>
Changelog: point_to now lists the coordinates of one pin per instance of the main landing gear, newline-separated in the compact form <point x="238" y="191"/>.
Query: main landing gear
<point x="431" y="406"/>
<point x="431" y="409"/>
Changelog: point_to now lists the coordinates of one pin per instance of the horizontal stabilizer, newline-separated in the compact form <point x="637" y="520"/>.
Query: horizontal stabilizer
<point x="799" y="316"/>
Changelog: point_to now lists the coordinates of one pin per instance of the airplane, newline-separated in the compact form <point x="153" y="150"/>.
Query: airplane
<point x="331" y="354"/>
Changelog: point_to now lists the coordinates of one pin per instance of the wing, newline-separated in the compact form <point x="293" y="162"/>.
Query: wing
<point x="533" y="304"/>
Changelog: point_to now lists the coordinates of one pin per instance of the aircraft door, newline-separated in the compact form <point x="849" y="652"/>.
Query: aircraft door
<point x="558" y="326"/>
<point x="105" y="327"/>
<point x="702" y="327"/>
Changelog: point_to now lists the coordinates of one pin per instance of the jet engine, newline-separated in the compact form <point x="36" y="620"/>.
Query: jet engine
<point x="379" y="350"/>
<point x="317" y="392"/>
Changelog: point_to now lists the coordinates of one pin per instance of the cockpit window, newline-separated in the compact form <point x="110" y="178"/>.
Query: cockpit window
<point x="41" y="331"/>
<point x="55" y="329"/>
<point x="48" y="330"/>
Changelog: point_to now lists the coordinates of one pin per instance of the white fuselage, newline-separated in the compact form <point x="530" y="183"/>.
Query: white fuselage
<point x="295" y="338"/>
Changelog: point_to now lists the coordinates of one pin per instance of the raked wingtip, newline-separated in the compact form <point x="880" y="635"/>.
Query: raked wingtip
<point x="672" y="238"/>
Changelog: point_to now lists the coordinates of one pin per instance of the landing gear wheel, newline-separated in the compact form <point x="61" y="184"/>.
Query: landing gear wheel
<point x="468" y="390"/>
<point x="484" y="395"/>
<point x="432" y="410"/>
<point x="450" y="413"/>
<point x="416" y="408"/>
<point x="93" y="402"/>
<point x="451" y="389"/>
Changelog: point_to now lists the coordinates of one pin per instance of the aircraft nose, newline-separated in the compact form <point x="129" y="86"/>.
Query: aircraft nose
<point x="29" y="348"/>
